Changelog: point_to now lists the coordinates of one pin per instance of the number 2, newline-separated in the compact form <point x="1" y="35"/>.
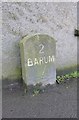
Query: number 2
<point x="42" y="48"/>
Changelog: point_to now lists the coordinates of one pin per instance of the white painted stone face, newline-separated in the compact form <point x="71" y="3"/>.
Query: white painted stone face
<point x="40" y="61"/>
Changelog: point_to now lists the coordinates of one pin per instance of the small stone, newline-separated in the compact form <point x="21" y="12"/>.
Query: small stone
<point x="38" y="54"/>
<point x="67" y="87"/>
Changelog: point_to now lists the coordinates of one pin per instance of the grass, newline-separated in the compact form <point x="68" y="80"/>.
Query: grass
<point x="62" y="78"/>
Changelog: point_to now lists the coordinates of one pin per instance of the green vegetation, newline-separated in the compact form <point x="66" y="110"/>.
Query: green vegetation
<point x="36" y="92"/>
<point x="37" y="89"/>
<point x="62" y="78"/>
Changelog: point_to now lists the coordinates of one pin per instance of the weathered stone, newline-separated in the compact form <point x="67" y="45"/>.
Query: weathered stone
<point x="38" y="55"/>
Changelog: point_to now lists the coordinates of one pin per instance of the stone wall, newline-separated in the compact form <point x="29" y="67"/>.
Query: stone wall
<point x="55" y="19"/>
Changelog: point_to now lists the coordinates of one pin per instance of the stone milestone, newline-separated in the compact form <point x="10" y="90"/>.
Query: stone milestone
<point x="38" y="56"/>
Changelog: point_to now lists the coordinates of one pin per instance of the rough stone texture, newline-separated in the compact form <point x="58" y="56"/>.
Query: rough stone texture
<point x="0" y="43"/>
<point x="55" y="19"/>
<point x="0" y="63"/>
<point x="38" y="56"/>
<point x="78" y="37"/>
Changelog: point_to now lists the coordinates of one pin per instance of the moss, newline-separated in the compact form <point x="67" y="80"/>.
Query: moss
<point x="18" y="72"/>
<point x="13" y="74"/>
<point x="62" y="78"/>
